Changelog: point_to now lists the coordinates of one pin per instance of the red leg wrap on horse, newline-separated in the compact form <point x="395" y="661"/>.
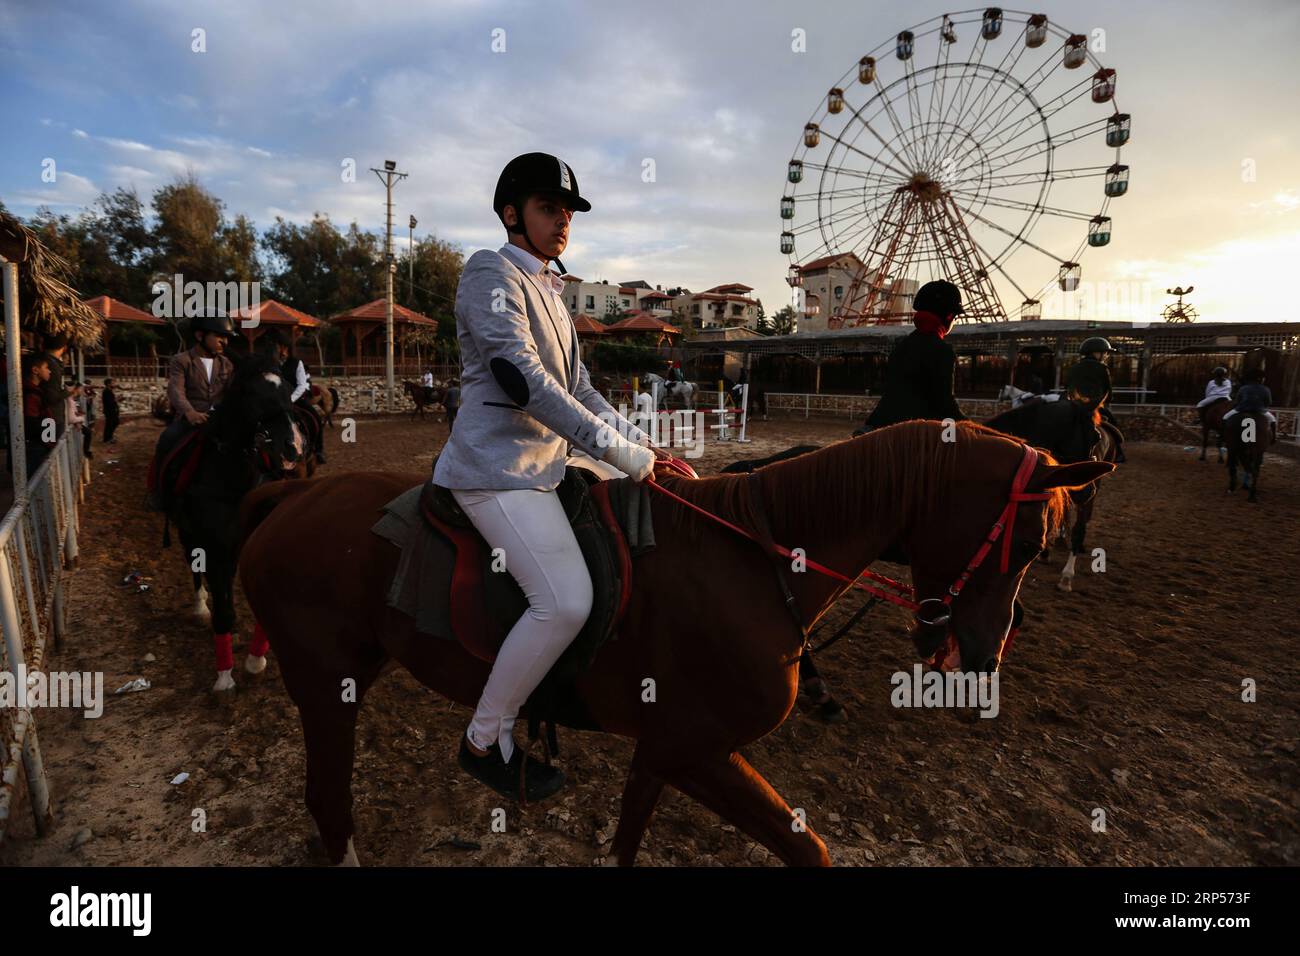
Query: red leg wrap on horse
<point x="221" y="644"/>
<point x="259" y="645"/>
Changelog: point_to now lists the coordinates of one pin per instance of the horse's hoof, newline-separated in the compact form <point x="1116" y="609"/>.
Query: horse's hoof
<point x="832" y="712"/>
<point x="1065" y="584"/>
<point x="224" y="683"/>
<point x="255" y="665"/>
<point x="349" y="856"/>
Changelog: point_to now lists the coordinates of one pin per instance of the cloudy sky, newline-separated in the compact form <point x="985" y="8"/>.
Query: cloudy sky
<point x="716" y="94"/>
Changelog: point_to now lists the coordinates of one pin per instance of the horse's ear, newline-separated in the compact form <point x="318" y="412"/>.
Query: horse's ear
<point x="1074" y="475"/>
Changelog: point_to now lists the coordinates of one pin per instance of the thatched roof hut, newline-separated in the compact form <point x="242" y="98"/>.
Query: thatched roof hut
<point x="46" y="303"/>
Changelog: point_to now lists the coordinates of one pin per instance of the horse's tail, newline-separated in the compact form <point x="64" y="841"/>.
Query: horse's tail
<point x="262" y="500"/>
<point x="335" y="392"/>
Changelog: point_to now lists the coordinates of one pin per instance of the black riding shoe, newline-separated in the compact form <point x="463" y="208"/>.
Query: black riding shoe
<point x="540" y="780"/>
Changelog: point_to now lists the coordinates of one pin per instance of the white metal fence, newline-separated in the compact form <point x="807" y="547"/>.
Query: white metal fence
<point x="38" y="544"/>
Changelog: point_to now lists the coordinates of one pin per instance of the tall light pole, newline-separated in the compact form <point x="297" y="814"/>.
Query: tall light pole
<point x="388" y="176"/>
<point x="410" y="255"/>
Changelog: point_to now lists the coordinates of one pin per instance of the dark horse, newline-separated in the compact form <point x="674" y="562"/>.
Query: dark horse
<point x="1249" y="433"/>
<point x="1212" y="421"/>
<point x="422" y="396"/>
<point x="250" y="438"/>
<point x="721" y="656"/>
<point x="1071" y="431"/>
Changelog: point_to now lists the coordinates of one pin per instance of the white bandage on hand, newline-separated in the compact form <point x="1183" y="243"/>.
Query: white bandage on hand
<point x="633" y="460"/>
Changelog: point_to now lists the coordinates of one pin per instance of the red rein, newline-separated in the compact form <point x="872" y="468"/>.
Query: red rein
<point x="906" y="596"/>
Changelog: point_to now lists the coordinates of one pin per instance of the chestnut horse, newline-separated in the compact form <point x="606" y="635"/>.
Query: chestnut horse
<point x="721" y="657"/>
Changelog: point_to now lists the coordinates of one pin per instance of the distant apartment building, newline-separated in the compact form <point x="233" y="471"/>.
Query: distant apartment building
<point x="726" y="306"/>
<point x="599" y="299"/>
<point x="827" y="284"/>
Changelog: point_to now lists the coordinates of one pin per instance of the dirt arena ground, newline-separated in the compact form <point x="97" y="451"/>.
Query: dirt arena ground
<point x="1124" y="695"/>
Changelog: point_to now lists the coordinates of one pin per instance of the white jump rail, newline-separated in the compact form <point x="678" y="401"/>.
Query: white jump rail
<point x="38" y="545"/>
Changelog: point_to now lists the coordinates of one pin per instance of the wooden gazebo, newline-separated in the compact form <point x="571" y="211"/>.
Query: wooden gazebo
<point x="643" y="323"/>
<point x="364" y="326"/>
<point x="117" y="313"/>
<point x="269" y="314"/>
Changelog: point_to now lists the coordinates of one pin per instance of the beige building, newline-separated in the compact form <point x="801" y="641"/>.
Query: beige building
<point x="827" y="283"/>
<point x="722" y="307"/>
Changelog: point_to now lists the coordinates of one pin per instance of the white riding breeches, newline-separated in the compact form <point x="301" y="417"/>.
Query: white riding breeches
<point x="534" y="537"/>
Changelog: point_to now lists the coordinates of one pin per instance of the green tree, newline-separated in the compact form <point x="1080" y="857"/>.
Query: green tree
<point x="785" y="321"/>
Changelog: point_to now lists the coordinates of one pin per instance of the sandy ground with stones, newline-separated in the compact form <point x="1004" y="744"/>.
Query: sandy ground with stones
<point x="1124" y="695"/>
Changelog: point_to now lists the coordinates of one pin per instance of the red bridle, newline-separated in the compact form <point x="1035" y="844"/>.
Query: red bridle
<point x="906" y="596"/>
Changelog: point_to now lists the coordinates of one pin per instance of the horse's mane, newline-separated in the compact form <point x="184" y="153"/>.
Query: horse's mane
<point x="907" y="465"/>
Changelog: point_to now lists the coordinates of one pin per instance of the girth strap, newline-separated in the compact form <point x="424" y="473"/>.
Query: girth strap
<point x="763" y="533"/>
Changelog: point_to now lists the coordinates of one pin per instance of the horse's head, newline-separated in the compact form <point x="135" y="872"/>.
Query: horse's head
<point x="968" y="632"/>
<point x="257" y="417"/>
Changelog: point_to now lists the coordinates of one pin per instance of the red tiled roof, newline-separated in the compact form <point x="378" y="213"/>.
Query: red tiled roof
<point x="644" y="322"/>
<point x="271" y="312"/>
<point x="827" y="260"/>
<point x="115" y="311"/>
<point x="570" y="278"/>
<point x="374" y="312"/>
<point x="626" y="291"/>
<point x="656" y="295"/>
<point x="586" y="325"/>
<point x="730" y="287"/>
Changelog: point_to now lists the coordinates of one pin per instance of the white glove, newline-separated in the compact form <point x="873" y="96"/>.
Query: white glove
<point x="633" y="460"/>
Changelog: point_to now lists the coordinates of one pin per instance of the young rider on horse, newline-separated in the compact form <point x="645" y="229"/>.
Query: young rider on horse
<point x="527" y="397"/>
<point x="1254" y="396"/>
<point x="919" y="377"/>
<point x="1218" y="389"/>
<point x="293" y="372"/>
<point x="197" y="379"/>
<point x="1088" y="380"/>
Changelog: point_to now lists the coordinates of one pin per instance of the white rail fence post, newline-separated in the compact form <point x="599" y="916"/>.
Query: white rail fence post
<point x="38" y="543"/>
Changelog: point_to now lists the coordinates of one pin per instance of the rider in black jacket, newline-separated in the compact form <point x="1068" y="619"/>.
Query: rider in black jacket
<point x="1088" y="380"/>
<point x="919" y="378"/>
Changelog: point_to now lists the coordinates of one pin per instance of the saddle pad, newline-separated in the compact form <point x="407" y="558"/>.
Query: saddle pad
<point x="176" y="470"/>
<point x="444" y="580"/>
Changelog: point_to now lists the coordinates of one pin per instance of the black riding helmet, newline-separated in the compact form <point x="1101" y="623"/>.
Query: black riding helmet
<point x="1219" y="370"/>
<point x="535" y="173"/>
<point x="220" y="324"/>
<point x="1095" y="344"/>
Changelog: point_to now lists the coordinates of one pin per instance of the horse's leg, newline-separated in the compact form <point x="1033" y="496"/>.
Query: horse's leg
<point x="814" y="685"/>
<point x="1082" y="514"/>
<point x="200" y="611"/>
<point x="640" y="797"/>
<point x="221" y="577"/>
<point x="329" y="733"/>
<point x="1205" y="435"/>
<point x="735" y="791"/>
<point x="255" y="662"/>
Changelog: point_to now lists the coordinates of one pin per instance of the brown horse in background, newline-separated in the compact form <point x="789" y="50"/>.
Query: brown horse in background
<point x="1212" y="421"/>
<point x="721" y="656"/>
<point x="422" y="396"/>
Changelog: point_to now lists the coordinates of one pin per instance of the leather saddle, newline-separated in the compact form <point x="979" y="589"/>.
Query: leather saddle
<point x="172" y="470"/>
<point x="486" y="601"/>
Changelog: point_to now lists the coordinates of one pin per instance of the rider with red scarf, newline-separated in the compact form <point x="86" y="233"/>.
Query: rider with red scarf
<point x="919" y="378"/>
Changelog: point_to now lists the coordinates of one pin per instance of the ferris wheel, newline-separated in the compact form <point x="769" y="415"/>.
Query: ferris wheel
<point x="971" y="148"/>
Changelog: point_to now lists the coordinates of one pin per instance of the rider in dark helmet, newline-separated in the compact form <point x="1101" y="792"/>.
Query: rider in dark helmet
<point x="526" y="400"/>
<point x="196" y="380"/>
<point x="293" y="373"/>
<point x="919" y="377"/>
<point x="1088" y="380"/>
